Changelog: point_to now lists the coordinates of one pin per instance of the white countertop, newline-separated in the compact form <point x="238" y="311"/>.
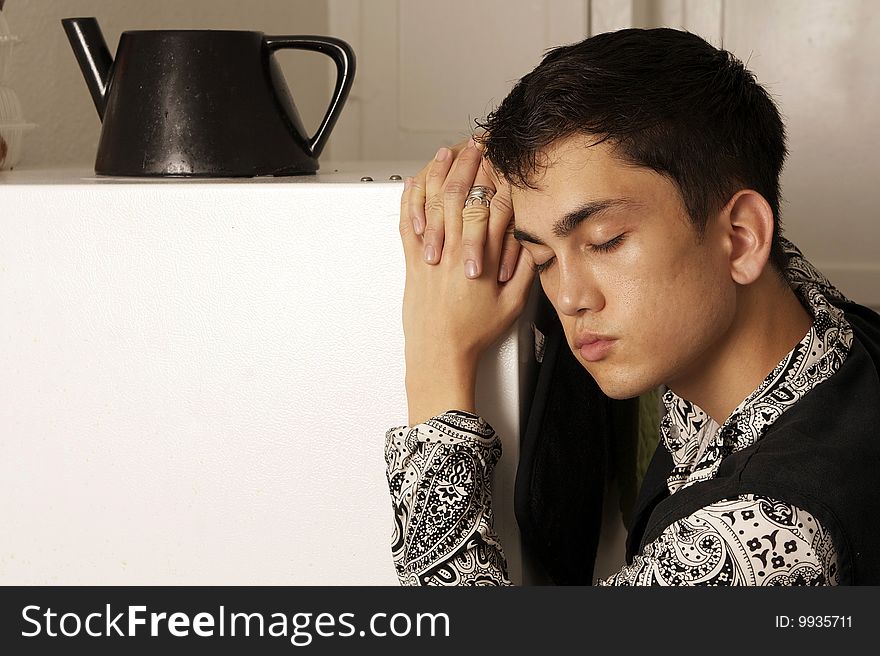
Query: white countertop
<point x="198" y="379"/>
<point x="332" y="172"/>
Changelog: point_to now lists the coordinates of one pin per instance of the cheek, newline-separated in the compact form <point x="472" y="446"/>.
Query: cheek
<point x="549" y="283"/>
<point x="681" y="312"/>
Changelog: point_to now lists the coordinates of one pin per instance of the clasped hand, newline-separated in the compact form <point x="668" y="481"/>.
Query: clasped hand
<point x="466" y="280"/>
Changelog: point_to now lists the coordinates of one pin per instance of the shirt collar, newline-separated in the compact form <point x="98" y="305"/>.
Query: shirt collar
<point x="697" y="443"/>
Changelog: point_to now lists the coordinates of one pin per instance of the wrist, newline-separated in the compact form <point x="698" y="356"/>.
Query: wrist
<point x="432" y="390"/>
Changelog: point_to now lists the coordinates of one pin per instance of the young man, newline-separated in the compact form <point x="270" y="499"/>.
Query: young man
<point x="642" y="168"/>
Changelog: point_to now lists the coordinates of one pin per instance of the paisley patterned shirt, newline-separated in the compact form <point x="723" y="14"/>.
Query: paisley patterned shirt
<point x="439" y="474"/>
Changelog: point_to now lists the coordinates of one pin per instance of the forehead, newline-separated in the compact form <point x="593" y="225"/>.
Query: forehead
<point x="577" y="170"/>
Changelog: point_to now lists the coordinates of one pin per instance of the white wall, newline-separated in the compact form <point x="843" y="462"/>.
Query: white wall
<point x="427" y="69"/>
<point x="816" y="58"/>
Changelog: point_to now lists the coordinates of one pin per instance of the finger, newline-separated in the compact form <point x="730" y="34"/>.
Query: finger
<point x="434" y="234"/>
<point x="509" y="255"/>
<point x="516" y="290"/>
<point x="501" y="236"/>
<point x="455" y="191"/>
<point x="418" y="195"/>
<point x="489" y="170"/>
<point x="416" y="209"/>
<point x="510" y="247"/>
<point x="411" y="241"/>
<point x="475" y="225"/>
<point x="503" y="204"/>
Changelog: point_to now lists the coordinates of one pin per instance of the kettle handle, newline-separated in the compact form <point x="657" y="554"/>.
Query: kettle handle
<point x="342" y="54"/>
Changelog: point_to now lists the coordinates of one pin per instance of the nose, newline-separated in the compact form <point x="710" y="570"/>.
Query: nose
<point x="577" y="291"/>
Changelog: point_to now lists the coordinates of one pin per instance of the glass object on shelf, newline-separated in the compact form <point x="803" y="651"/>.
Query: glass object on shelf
<point x="12" y="123"/>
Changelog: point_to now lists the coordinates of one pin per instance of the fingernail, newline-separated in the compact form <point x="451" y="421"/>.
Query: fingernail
<point x="470" y="269"/>
<point x="472" y="143"/>
<point x="430" y="253"/>
<point x="417" y="226"/>
<point x="477" y="144"/>
<point x="442" y="154"/>
<point x="504" y="274"/>
<point x="407" y="182"/>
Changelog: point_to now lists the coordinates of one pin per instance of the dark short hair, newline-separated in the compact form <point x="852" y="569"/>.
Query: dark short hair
<point x="667" y="100"/>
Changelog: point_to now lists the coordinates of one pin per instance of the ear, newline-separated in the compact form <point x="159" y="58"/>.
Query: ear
<point x="749" y="223"/>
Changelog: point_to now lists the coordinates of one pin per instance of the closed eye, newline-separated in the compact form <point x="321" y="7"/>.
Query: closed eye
<point x="606" y="247"/>
<point x="609" y="245"/>
<point x="543" y="266"/>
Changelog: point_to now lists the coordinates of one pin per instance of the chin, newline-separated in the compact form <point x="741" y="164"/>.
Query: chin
<point x="623" y="387"/>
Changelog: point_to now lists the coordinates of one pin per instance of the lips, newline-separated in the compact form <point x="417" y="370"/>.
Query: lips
<point x="593" y="347"/>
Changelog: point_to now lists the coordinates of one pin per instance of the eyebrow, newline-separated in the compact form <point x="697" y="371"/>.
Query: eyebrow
<point x="564" y="226"/>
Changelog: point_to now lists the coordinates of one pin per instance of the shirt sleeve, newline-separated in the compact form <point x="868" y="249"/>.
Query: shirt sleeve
<point x="439" y="474"/>
<point x="751" y="540"/>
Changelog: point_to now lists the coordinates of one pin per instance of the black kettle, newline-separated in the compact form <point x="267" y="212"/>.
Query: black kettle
<point x="202" y="103"/>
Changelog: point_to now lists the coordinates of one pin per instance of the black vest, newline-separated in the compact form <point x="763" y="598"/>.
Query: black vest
<point x="822" y="455"/>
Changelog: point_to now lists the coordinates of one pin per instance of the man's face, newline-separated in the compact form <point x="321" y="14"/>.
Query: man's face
<point x="622" y="262"/>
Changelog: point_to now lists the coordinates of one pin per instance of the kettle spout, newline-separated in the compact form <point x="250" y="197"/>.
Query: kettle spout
<point x="92" y="55"/>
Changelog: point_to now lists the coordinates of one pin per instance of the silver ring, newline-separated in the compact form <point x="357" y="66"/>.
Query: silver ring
<point x="479" y="195"/>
